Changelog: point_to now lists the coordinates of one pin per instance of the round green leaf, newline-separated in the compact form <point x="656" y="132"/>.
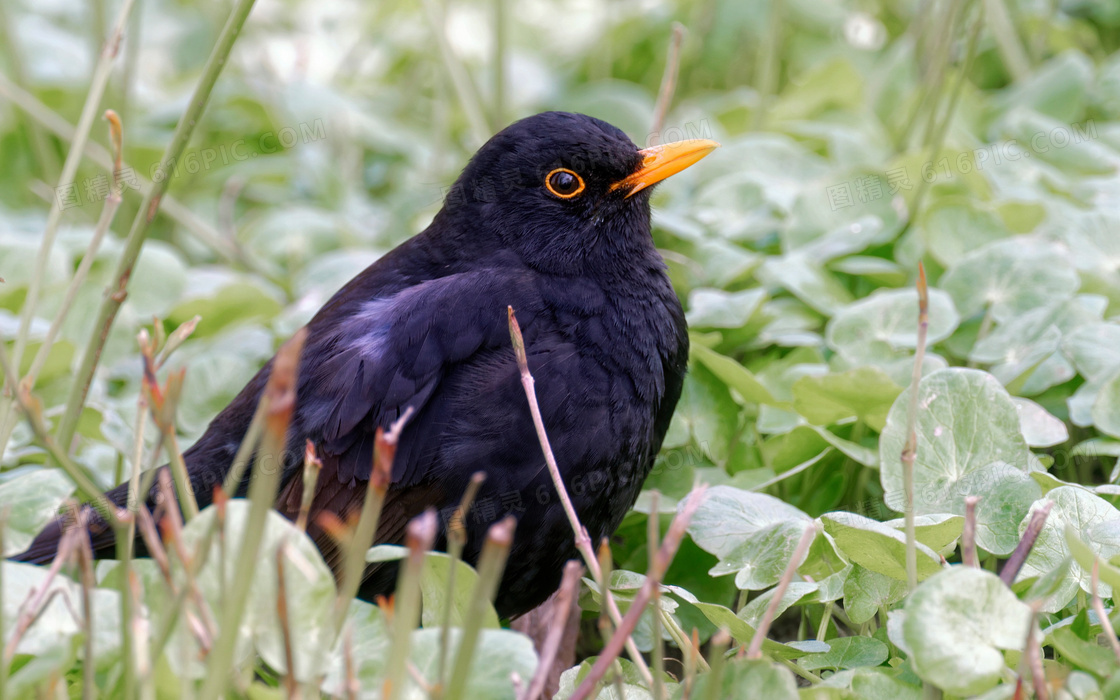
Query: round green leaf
<point x="1010" y="277"/>
<point x="1092" y="518"/>
<point x="874" y="329"/>
<point x="957" y="624"/>
<point x="969" y="443"/>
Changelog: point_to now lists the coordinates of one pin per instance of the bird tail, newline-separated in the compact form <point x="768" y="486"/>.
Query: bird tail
<point x="44" y="547"/>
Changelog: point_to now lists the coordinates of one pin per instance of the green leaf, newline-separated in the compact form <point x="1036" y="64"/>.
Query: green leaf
<point x="874" y="329"/>
<point x="308" y="581"/>
<point x="866" y="591"/>
<point x="733" y="374"/>
<point x="746" y="679"/>
<point x="807" y="281"/>
<point x="633" y="685"/>
<point x="1106" y="407"/>
<point x="874" y="683"/>
<point x="32" y="500"/>
<point x="715" y="308"/>
<point x="434" y="591"/>
<point x="59" y="626"/>
<point x="1090" y="517"/>
<point x="969" y="443"/>
<point x="752" y="534"/>
<point x="876" y="546"/>
<point x="865" y="393"/>
<point x="955" y="225"/>
<point x="742" y="632"/>
<point x="1094" y="350"/>
<point x="938" y="532"/>
<point x="957" y="624"/>
<point x="847" y="652"/>
<point x="753" y="611"/>
<point x="500" y="653"/>
<point x="1088" y="656"/>
<point x="1039" y="427"/>
<point x="1010" y="277"/>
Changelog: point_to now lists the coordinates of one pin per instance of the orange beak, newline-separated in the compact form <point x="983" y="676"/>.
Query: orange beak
<point x="659" y="162"/>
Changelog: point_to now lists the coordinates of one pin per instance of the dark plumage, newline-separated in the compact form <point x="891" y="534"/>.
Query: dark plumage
<point x="426" y="327"/>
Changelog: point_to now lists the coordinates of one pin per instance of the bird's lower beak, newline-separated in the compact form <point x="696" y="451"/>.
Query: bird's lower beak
<point x="659" y="162"/>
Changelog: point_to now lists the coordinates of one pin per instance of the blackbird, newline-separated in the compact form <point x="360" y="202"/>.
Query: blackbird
<point x="551" y="217"/>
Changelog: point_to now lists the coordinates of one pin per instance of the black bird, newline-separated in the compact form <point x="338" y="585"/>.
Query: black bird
<point x="551" y="217"/>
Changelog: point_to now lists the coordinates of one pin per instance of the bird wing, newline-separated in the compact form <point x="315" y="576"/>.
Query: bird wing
<point x="364" y="368"/>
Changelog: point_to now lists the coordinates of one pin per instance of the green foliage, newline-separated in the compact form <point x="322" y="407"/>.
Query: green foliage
<point x="858" y="140"/>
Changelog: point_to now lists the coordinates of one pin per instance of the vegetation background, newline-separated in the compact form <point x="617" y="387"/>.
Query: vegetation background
<point x="979" y="138"/>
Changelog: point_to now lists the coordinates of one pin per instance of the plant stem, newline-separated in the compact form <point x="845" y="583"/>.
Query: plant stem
<point x="910" y="451"/>
<point x="111" y="303"/>
<point x="100" y="79"/>
<point x="763" y="628"/>
<point x="968" y="536"/>
<point x="354" y="561"/>
<point x="1098" y="606"/>
<point x="1018" y="557"/>
<point x="582" y="539"/>
<point x="1007" y="39"/>
<point x="465" y="88"/>
<point x="659" y="564"/>
<point x="420" y="536"/>
<point x="279" y="397"/>
<point x="84" y="481"/>
<point x="562" y="606"/>
<point x="668" y="80"/>
<point x="491" y="563"/>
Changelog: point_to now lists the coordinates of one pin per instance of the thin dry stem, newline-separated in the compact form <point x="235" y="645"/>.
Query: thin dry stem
<point x="799" y="552"/>
<point x="290" y="682"/>
<point x="910" y="451"/>
<point x="659" y="563"/>
<point x="1026" y="543"/>
<point x="968" y="536"/>
<point x="668" y="78"/>
<point x="582" y="539"/>
<point x="562" y="606"/>
<point x="1098" y="606"/>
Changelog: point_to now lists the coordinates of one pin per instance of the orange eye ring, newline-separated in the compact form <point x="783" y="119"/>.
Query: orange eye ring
<point x="564" y="183"/>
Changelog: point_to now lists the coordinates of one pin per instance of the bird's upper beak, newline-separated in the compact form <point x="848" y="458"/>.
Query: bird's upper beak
<point x="659" y="162"/>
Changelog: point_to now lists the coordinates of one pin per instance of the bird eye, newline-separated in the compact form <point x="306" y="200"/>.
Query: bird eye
<point x="564" y="183"/>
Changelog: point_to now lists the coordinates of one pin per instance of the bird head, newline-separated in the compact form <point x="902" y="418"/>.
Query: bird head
<point x="566" y="192"/>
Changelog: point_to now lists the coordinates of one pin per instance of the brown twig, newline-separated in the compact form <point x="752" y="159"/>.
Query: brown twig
<point x="354" y="560"/>
<point x="968" y="535"/>
<point x="290" y="682"/>
<point x="562" y="606"/>
<point x="353" y="688"/>
<point x="1098" y="606"/>
<point x="39" y="598"/>
<point x="420" y="535"/>
<point x="1026" y="543"/>
<point x="659" y="563"/>
<point x="668" y="78"/>
<point x="582" y="539"/>
<point x="755" y="649"/>
<point x="1032" y="660"/>
<point x="311" y="467"/>
<point x="910" y="451"/>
